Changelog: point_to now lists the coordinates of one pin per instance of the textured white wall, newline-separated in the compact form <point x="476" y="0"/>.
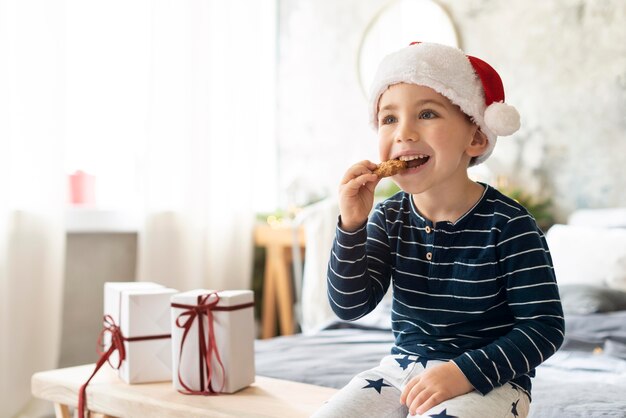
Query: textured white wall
<point x="563" y="63"/>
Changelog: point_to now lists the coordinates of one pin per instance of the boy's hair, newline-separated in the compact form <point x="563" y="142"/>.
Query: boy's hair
<point x="468" y="82"/>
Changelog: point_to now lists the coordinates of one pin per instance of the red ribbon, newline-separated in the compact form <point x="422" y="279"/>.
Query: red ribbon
<point x="207" y="344"/>
<point x="117" y="344"/>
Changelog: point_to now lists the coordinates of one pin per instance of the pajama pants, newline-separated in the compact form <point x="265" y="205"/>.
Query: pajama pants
<point x="376" y="393"/>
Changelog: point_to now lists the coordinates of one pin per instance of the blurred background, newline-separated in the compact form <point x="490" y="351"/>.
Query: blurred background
<point x="146" y="140"/>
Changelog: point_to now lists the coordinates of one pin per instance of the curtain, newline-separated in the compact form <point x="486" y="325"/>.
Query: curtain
<point x="205" y="158"/>
<point x="320" y="224"/>
<point x="209" y="123"/>
<point x="32" y="195"/>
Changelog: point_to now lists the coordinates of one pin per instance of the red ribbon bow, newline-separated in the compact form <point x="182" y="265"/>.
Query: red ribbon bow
<point x="207" y="345"/>
<point x="117" y="344"/>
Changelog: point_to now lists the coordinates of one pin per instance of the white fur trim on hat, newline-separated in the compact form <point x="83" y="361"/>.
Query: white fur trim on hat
<point x="451" y="73"/>
<point x="502" y="119"/>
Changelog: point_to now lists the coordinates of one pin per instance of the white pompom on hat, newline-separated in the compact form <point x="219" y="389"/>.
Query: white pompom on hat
<point x="466" y="81"/>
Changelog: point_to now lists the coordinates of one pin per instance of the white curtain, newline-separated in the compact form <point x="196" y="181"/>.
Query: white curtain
<point x="32" y="193"/>
<point x="204" y="158"/>
<point x="209" y="124"/>
<point x="320" y="224"/>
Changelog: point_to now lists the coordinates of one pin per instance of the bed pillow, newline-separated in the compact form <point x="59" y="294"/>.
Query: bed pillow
<point x="617" y="274"/>
<point x="586" y="299"/>
<point x="588" y="255"/>
<point x="599" y="217"/>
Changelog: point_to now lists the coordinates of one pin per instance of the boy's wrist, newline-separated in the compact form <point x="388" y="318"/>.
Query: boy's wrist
<point x="350" y="226"/>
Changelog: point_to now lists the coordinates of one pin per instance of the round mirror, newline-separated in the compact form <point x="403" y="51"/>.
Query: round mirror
<point x="396" y="25"/>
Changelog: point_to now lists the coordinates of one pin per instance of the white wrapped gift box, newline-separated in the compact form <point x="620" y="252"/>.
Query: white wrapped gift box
<point x="228" y="342"/>
<point x="141" y="310"/>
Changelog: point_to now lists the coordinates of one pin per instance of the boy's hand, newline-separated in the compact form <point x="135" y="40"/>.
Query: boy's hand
<point x="435" y="385"/>
<point x="356" y="195"/>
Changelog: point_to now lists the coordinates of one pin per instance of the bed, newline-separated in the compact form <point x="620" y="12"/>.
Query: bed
<point x="585" y="378"/>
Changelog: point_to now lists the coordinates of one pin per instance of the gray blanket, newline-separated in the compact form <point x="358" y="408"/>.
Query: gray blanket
<point x="573" y="383"/>
<point x="577" y="384"/>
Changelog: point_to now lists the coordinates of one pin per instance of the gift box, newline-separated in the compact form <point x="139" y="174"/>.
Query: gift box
<point x="137" y="314"/>
<point x="212" y="341"/>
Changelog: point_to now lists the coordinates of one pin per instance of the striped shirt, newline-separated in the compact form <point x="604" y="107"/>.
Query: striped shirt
<point x="480" y="292"/>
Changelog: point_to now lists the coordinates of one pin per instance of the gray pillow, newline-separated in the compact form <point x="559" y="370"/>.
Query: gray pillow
<point x="579" y="299"/>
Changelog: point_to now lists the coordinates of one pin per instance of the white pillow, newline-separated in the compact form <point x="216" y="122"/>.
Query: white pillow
<point x="617" y="275"/>
<point x="588" y="255"/>
<point x="604" y="217"/>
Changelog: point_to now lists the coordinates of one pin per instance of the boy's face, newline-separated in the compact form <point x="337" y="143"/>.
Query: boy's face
<point x="418" y="124"/>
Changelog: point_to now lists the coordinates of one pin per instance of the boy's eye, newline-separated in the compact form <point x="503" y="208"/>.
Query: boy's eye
<point x="428" y="114"/>
<point x="388" y="119"/>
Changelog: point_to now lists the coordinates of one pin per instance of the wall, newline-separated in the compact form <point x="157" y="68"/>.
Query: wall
<point x="563" y="64"/>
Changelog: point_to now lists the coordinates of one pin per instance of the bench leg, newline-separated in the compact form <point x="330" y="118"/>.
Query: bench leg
<point x="61" y="411"/>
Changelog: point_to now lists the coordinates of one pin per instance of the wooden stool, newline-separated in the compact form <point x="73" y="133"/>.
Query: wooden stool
<point x="278" y="241"/>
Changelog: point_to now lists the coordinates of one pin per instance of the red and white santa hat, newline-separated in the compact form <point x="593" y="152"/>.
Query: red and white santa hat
<point x="466" y="81"/>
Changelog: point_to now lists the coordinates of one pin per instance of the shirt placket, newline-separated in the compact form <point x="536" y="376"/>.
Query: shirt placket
<point x="429" y="238"/>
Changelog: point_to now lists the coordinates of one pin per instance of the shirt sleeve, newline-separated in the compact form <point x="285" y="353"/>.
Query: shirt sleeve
<point x="359" y="268"/>
<point x="533" y="298"/>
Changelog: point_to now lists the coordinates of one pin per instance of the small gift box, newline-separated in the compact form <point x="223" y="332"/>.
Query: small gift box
<point x="137" y="316"/>
<point x="212" y="341"/>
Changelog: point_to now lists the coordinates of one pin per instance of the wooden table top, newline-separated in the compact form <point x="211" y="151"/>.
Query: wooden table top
<point x="107" y="394"/>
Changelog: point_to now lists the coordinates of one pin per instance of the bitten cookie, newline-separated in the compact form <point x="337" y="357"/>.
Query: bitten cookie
<point x="389" y="168"/>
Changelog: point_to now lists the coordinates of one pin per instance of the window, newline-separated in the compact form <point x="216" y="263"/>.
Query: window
<point x="108" y="93"/>
<point x="107" y="63"/>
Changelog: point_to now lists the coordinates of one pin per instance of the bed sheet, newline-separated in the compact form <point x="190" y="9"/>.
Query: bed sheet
<point x="573" y="384"/>
<point x="586" y="378"/>
<point x="327" y="358"/>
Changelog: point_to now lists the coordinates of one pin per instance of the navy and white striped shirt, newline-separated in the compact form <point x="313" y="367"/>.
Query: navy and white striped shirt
<point x="480" y="292"/>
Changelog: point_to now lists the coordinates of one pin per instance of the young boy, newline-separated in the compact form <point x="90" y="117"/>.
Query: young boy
<point x="475" y="303"/>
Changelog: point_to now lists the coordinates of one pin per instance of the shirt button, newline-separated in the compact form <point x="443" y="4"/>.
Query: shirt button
<point x="428" y="230"/>
<point x="429" y="256"/>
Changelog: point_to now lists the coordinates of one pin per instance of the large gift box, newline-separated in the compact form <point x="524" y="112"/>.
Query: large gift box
<point x="212" y="341"/>
<point x="140" y="312"/>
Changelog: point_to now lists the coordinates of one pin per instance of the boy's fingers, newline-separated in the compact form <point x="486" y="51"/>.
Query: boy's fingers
<point x="361" y="181"/>
<point x="370" y="165"/>
<point x="403" y="397"/>
<point x="364" y="167"/>
<point x="368" y="178"/>
<point x="414" y="400"/>
<point x="418" y="403"/>
<point x="425" y="406"/>
<point x="407" y="389"/>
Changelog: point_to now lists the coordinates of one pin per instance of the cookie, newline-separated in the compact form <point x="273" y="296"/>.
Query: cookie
<point x="389" y="168"/>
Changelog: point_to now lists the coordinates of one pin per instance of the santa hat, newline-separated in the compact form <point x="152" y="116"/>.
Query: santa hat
<point x="466" y="81"/>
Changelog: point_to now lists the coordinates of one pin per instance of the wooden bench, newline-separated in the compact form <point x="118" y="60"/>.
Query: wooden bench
<point x="109" y="396"/>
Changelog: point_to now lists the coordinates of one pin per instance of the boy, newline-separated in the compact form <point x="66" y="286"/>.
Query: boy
<point x="475" y="302"/>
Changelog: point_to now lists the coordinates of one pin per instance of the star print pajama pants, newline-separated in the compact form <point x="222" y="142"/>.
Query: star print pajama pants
<point x="376" y="393"/>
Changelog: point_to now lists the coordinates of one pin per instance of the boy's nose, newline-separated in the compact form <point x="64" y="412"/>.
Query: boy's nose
<point x="405" y="133"/>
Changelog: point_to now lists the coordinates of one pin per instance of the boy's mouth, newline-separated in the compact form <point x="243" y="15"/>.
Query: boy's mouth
<point x="413" y="161"/>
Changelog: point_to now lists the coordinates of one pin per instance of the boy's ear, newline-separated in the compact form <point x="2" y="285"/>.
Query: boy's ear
<point x="479" y="144"/>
